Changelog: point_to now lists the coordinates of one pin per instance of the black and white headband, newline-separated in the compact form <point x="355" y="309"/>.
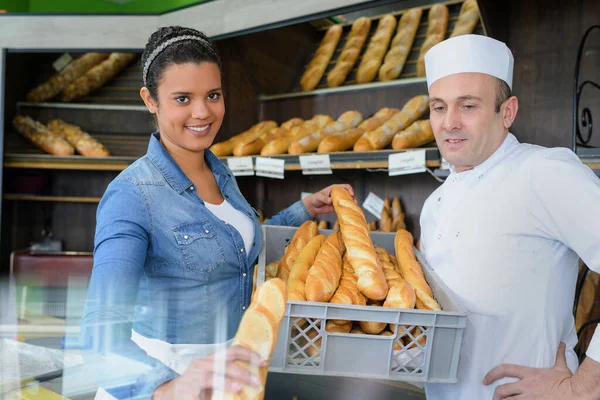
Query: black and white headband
<point x="166" y="44"/>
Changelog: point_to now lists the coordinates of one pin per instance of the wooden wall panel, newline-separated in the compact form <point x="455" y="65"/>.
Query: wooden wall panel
<point x="544" y="38"/>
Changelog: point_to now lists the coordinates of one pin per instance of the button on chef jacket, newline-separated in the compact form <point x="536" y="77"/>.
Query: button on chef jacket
<point x="505" y="238"/>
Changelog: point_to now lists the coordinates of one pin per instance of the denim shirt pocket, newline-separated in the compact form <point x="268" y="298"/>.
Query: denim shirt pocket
<point x="200" y="247"/>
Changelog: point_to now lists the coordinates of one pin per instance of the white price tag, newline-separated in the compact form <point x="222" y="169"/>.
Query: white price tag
<point x="270" y="167"/>
<point x="408" y="162"/>
<point x="241" y="166"/>
<point x="304" y="194"/>
<point x="373" y="204"/>
<point x="316" y="164"/>
<point x="444" y="165"/>
<point x="62" y="61"/>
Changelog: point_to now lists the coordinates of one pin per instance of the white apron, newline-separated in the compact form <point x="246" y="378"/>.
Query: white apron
<point x="178" y="357"/>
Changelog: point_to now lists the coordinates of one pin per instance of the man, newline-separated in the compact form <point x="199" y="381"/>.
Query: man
<point x="505" y="231"/>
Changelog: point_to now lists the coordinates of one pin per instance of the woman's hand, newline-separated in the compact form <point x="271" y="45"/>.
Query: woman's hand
<point x="321" y="203"/>
<point x="216" y="371"/>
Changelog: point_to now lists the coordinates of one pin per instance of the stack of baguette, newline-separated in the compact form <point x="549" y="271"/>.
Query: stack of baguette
<point x="82" y="76"/>
<point x="59" y="138"/>
<point x="402" y="129"/>
<point x="392" y="216"/>
<point x="346" y="268"/>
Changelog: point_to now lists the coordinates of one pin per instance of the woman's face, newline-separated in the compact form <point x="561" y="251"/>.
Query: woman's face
<point x="190" y="106"/>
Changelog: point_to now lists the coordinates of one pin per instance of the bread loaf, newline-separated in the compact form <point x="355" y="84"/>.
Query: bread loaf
<point x="417" y="134"/>
<point x="412" y="272"/>
<point x="243" y="148"/>
<point x="347" y="291"/>
<point x="317" y="66"/>
<point x="225" y="148"/>
<point x="258" y="332"/>
<point x="271" y="270"/>
<point x="322" y="224"/>
<point x="378" y="45"/>
<point x="303" y="235"/>
<point x="467" y="20"/>
<point x="436" y="31"/>
<point x="350" y="53"/>
<point x="325" y="274"/>
<point x="340" y="141"/>
<point x="310" y="143"/>
<point x="397" y="346"/>
<point x="80" y="140"/>
<point x="97" y="76"/>
<point x="370" y="327"/>
<point x="361" y="253"/>
<point x="299" y="271"/>
<point x="59" y="81"/>
<point x="397" y="215"/>
<point x="42" y="137"/>
<point x="400" y="293"/>
<point x="385" y="222"/>
<point x="401" y="45"/>
<point x="281" y="145"/>
<point x="381" y="137"/>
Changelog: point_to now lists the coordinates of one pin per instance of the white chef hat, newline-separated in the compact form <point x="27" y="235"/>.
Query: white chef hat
<point x="469" y="53"/>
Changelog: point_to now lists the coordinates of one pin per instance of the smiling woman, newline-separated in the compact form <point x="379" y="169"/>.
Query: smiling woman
<point x="176" y="242"/>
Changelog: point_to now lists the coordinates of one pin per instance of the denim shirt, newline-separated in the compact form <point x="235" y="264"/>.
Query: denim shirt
<point x="167" y="267"/>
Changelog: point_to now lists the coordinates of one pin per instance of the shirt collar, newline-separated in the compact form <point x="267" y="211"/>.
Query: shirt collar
<point x="173" y="174"/>
<point x="509" y="142"/>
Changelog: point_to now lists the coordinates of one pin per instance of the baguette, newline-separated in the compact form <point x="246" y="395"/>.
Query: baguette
<point x="401" y="45"/>
<point x="397" y="346"/>
<point x="397" y="215"/>
<point x="336" y="225"/>
<point x="290" y="123"/>
<point x="310" y="143"/>
<point x="400" y="294"/>
<point x="361" y="253"/>
<point x="80" y="140"/>
<point x="322" y="225"/>
<point x="303" y="235"/>
<point x="436" y="31"/>
<point x="467" y="20"/>
<point x="271" y="270"/>
<point x="281" y="145"/>
<point x="412" y="272"/>
<point x="350" y="53"/>
<point x="317" y="66"/>
<point x="258" y="332"/>
<point x="416" y="135"/>
<point x="59" y="81"/>
<point x="385" y="222"/>
<point x="97" y="76"/>
<point x="299" y="271"/>
<point x="371" y="60"/>
<point x="381" y="137"/>
<point x="340" y="141"/>
<point x="370" y="327"/>
<point x="42" y="137"/>
<point x="243" y="148"/>
<point x="325" y="274"/>
<point x="347" y="291"/>
<point x="346" y="139"/>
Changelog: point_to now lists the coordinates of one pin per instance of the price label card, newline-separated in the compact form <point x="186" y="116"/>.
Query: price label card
<point x="408" y="162"/>
<point x="444" y="165"/>
<point x="316" y="165"/>
<point x="241" y="166"/>
<point x="373" y="204"/>
<point x="62" y="61"/>
<point x="304" y="194"/>
<point x="270" y="167"/>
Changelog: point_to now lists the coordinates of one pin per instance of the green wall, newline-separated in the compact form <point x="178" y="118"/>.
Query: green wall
<point x="93" y="6"/>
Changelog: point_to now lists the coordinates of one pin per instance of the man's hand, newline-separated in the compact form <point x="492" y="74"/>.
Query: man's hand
<point x="321" y="203"/>
<point x="535" y="383"/>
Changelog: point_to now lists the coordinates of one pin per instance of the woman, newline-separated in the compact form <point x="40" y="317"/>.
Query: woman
<point x="176" y="242"/>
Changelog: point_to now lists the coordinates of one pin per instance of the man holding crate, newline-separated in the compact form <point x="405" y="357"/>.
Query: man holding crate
<point x="505" y="234"/>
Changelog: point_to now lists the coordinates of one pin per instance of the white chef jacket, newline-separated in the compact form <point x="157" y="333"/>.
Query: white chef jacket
<point x="505" y="238"/>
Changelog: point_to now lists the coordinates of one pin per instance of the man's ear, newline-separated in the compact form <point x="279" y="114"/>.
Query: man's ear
<point x="148" y="100"/>
<point x="509" y="111"/>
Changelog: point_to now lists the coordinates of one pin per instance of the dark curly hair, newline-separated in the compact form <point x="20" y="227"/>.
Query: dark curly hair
<point x="182" y="52"/>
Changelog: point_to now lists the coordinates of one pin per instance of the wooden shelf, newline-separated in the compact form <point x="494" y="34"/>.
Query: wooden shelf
<point x="342" y="160"/>
<point x="55" y="199"/>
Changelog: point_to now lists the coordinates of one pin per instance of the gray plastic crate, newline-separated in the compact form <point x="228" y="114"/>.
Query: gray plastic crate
<point x="368" y="356"/>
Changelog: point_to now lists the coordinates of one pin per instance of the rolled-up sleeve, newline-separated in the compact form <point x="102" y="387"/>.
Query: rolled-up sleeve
<point x="122" y="368"/>
<point x="294" y="215"/>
